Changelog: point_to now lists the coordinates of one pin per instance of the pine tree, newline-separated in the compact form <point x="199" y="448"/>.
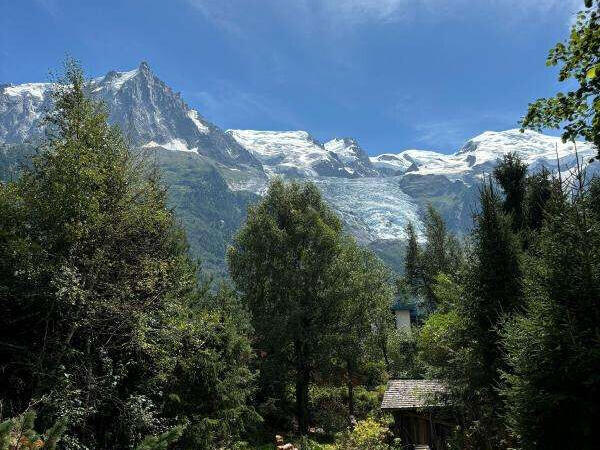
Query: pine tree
<point x="461" y="340"/>
<point x="539" y="191"/>
<point x="511" y="174"/>
<point x="103" y="317"/>
<point x="441" y="254"/>
<point x="18" y="433"/>
<point x="493" y="293"/>
<point x="412" y="261"/>
<point x="552" y="388"/>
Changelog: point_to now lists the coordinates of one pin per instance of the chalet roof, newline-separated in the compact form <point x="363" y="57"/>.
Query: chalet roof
<point x="411" y="394"/>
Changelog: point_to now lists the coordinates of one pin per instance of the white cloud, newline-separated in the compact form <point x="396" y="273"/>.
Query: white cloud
<point x="340" y="16"/>
<point x="364" y="11"/>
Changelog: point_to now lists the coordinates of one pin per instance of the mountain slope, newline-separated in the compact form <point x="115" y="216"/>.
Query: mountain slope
<point x="354" y="158"/>
<point x="480" y="154"/>
<point x="206" y="169"/>
<point x="150" y="112"/>
<point x="214" y="175"/>
<point x="291" y="153"/>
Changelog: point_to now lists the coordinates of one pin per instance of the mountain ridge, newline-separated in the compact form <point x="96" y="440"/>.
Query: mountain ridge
<point x="215" y="174"/>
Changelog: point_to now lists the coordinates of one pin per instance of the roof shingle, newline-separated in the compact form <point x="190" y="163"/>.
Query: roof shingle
<point x="411" y="394"/>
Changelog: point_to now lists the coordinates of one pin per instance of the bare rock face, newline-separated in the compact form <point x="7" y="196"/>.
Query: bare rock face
<point x="215" y="174"/>
<point x="21" y="110"/>
<point x="354" y="158"/>
<point x="149" y="112"/>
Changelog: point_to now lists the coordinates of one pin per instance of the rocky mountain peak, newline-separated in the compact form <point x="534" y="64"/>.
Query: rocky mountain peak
<point x="375" y="195"/>
<point x="352" y="155"/>
<point x="147" y="109"/>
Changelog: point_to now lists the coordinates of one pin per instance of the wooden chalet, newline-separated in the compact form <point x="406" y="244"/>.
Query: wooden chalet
<point x="421" y="418"/>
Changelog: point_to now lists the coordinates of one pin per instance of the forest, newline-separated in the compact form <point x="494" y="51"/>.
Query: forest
<point x="113" y="337"/>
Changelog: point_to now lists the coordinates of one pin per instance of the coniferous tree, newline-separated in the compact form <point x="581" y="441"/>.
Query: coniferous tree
<point x="494" y="292"/>
<point x="103" y="318"/>
<point x="461" y="341"/>
<point x="539" y="191"/>
<point x="511" y="174"/>
<point x="412" y="261"/>
<point x="552" y="389"/>
<point x="441" y="254"/>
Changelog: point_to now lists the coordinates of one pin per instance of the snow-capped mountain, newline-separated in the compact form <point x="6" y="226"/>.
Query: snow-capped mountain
<point x="406" y="161"/>
<point x="149" y="111"/>
<point x="21" y="109"/>
<point x="214" y="174"/>
<point x="298" y="154"/>
<point x="377" y="196"/>
<point x="479" y="155"/>
<point x="354" y="158"/>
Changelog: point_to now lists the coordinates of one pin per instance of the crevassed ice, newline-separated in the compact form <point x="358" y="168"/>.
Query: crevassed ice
<point x="377" y="206"/>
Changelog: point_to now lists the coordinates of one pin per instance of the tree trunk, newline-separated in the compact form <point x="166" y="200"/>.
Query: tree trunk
<point x="350" y="393"/>
<point x="302" y="384"/>
<point x="384" y="350"/>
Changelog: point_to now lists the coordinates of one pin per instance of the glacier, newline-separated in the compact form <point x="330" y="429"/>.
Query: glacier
<point x="215" y="171"/>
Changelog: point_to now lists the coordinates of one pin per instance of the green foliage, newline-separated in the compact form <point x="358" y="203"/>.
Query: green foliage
<point x="440" y="343"/>
<point x="330" y="405"/>
<point x="282" y="262"/>
<point x="402" y="348"/>
<point x="413" y="272"/>
<point x="579" y="60"/>
<point x="364" y="318"/>
<point x="18" y="433"/>
<point x="510" y="174"/>
<point x="212" y="383"/>
<point x="313" y="293"/>
<point x="498" y="274"/>
<point x="163" y="441"/>
<point x="13" y="157"/>
<point x="367" y="435"/>
<point x="515" y="336"/>
<point x="104" y="322"/>
<point x="552" y="349"/>
<point x="460" y="343"/>
<point x="539" y="191"/>
<point x="493" y="292"/>
<point x="441" y="253"/>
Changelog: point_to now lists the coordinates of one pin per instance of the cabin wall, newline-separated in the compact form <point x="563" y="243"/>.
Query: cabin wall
<point x="420" y="429"/>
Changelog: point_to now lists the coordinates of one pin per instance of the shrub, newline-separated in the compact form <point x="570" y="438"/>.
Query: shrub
<point x="367" y="435"/>
<point x="329" y="405"/>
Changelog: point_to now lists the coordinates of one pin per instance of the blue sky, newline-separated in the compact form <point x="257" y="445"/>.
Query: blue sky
<point x="394" y="74"/>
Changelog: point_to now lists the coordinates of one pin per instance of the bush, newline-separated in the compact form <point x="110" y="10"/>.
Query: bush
<point x="367" y="435"/>
<point x="329" y="405"/>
